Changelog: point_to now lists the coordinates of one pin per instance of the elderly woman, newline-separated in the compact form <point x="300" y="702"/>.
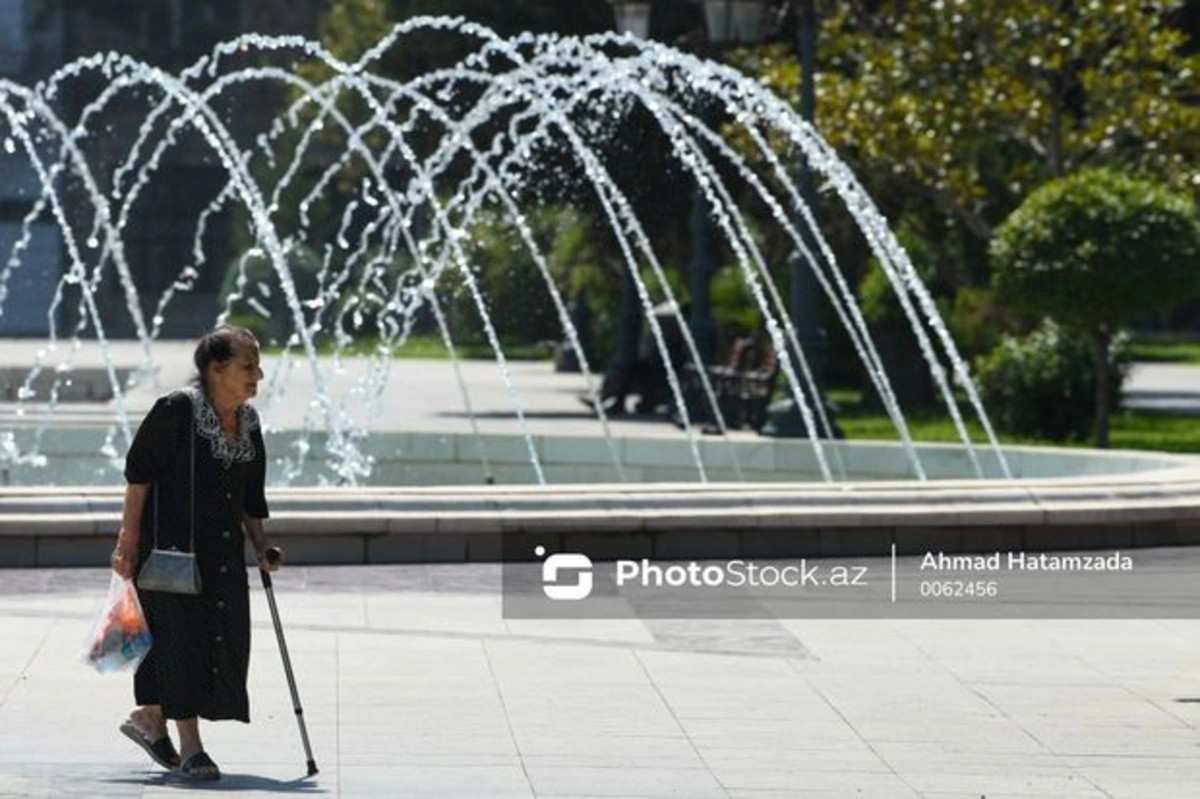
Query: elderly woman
<point x="196" y="470"/>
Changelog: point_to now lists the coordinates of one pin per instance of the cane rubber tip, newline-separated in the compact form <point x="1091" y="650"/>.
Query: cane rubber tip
<point x="312" y="768"/>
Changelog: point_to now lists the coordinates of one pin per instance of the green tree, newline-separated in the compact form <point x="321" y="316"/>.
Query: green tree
<point x="970" y="104"/>
<point x="1097" y="250"/>
<point x="517" y="298"/>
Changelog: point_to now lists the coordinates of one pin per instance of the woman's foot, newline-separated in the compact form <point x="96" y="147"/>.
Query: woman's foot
<point x="196" y="765"/>
<point x="147" y="728"/>
<point x="200" y="767"/>
<point x="150" y="722"/>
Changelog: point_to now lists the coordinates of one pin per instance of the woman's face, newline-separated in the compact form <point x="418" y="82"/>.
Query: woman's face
<point x="238" y="377"/>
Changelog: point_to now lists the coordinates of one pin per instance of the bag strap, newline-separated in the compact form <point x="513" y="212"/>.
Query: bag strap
<point x="192" y="487"/>
<point x="191" y="493"/>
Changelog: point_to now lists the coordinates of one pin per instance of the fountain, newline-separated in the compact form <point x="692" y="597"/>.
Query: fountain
<point x="426" y="158"/>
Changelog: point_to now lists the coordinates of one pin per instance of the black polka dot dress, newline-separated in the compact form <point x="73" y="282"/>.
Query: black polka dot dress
<point x="201" y="654"/>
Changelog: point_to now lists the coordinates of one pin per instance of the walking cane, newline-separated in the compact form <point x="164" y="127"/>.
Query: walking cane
<point x="272" y="555"/>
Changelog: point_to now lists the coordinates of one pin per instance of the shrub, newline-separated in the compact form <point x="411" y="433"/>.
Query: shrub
<point x="1042" y="385"/>
<point x="254" y="297"/>
<point x="1095" y="251"/>
<point x="514" y="290"/>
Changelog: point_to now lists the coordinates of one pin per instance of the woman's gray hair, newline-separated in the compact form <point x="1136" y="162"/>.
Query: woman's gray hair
<point x="217" y="346"/>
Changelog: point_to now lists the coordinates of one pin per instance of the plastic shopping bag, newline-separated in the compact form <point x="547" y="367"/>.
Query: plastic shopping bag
<point x="120" y="637"/>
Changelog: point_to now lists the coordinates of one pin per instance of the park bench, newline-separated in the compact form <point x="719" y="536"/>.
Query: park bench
<point x="743" y="386"/>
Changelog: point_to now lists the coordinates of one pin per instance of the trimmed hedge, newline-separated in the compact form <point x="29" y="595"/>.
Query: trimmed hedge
<point x="1042" y="385"/>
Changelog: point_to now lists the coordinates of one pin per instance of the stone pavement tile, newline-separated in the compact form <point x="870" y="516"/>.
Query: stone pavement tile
<point x="949" y="636"/>
<point x="666" y="667"/>
<point x="831" y="734"/>
<point x="1143" y="766"/>
<point x="31" y="613"/>
<point x="1177" y="692"/>
<point x="403" y="657"/>
<point x="735" y="706"/>
<point x="1121" y="784"/>
<point x="784" y="777"/>
<point x="933" y="778"/>
<point x="1098" y="705"/>
<point x="446" y="749"/>
<point x="363" y="728"/>
<point x="953" y="755"/>
<point x="419" y="690"/>
<point x="326" y="610"/>
<point x="865" y="641"/>
<point x="1083" y="793"/>
<point x="484" y="731"/>
<point x="609" y="631"/>
<point x="563" y="665"/>
<point x="868" y="673"/>
<point x="1109" y="641"/>
<point x="651" y="783"/>
<point x="314" y="661"/>
<point x="782" y="693"/>
<point x="529" y="698"/>
<point x="1133" y="669"/>
<point x="1004" y="651"/>
<point x="749" y="636"/>
<point x="1115" y="741"/>
<point x="889" y="792"/>
<point x="262" y="745"/>
<point x="567" y="746"/>
<point x="1041" y="669"/>
<point x="998" y="734"/>
<point x="895" y="696"/>
<point x="242" y="784"/>
<point x="781" y="756"/>
<point x="443" y="612"/>
<point x="612" y="714"/>
<point x="430" y="782"/>
<point x="67" y="779"/>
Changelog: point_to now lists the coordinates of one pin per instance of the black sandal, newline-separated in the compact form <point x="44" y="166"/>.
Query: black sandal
<point x="200" y="767"/>
<point x="161" y="751"/>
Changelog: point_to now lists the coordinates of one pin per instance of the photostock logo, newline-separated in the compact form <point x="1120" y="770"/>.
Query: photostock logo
<point x="569" y="562"/>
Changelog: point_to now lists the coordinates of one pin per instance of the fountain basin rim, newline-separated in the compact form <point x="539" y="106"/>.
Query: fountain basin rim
<point x="399" y="510"/>
<point x="1134" y="499"/>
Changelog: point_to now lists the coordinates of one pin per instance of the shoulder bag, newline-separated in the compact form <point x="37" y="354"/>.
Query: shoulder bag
<point x="169" y="570"/>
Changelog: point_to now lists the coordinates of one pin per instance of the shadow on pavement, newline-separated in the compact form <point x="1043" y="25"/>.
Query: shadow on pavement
<point x="230" y="782"/>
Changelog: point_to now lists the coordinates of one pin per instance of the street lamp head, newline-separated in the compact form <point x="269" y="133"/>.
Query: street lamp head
<point x="633" y="16"/>
<point x="736" y="21"/>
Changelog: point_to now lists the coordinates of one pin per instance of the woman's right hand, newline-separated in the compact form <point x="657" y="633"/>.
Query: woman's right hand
<point x="124" y="557"/>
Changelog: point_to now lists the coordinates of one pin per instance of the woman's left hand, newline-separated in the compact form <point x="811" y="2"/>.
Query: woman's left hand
<point x="270" y="559"/>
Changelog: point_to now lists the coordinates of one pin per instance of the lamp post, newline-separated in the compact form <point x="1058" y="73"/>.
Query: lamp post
<point x="727" y="22"/>
<point x="784" y="417"/>
<point x="633" y="16"/>
<point x="745" y="22"/>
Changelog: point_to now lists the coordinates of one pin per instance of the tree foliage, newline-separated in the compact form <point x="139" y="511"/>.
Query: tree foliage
<point x="975" y="102"/>
<point x="1097" y="250"/>
<point x="515" y="293"/>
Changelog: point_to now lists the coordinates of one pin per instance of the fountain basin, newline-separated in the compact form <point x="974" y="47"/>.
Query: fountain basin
<point x="1058" y="499"/>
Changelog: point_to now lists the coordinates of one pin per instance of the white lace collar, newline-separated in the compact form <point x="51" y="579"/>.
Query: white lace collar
<point x="208" y="425"/>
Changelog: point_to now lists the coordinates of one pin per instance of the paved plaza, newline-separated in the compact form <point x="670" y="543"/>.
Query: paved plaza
<point x="419" y="394"/>
<point x="413" y="685"/>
